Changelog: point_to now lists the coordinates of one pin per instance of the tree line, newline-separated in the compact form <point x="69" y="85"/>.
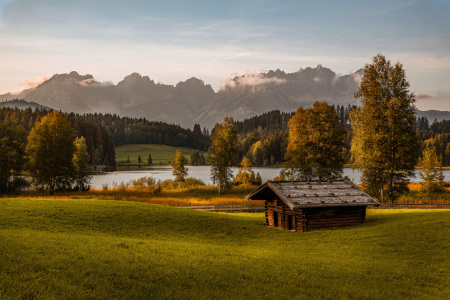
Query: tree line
<point x="264" y="138"/>
<point x="100" y="146"/>
<point x="126" y="130"/>
<point x="51" y="154"/>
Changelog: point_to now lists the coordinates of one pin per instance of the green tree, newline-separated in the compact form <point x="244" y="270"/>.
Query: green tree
<point x="12" y="150"/>
<point x="316" y="140"/>
<point x="49" y="153"/>
<point x="385" y="145"/>
<point x="139" y="159"/>
<point x="245" y="174"/>
<point x="195" y="158"/>
<point x="149" y="159"/>
<point x="80" y="161"/>
<point x="431" y="173"/>
<point x="179" y="167"/>
<point x="223" y="153"/>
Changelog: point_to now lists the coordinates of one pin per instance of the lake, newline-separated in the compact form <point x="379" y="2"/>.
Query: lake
<point x="164" y="172"/>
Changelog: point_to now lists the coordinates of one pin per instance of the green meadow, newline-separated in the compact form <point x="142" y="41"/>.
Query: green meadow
<point x="101" y="249"/>
<point x="160" y="153"/>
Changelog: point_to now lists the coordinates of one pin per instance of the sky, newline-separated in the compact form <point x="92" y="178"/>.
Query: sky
<point x="171" y="41"/>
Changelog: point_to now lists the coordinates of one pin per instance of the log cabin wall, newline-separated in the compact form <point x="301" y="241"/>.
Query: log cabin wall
<point x="277" y="214"/>
<point x="318" y="218"/>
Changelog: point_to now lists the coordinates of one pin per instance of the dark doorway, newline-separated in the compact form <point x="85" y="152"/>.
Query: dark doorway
<point x="291" y="222"/>
<point x="275" y="219"/>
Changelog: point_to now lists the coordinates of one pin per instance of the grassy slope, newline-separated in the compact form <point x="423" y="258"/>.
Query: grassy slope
<point x="160" y="153"/>
<point x="109" y="249"/>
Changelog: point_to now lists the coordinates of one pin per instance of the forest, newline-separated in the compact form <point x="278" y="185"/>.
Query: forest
<point x="104" y="132"/>
<point x="263" y="139"/>
<point x="100" y="146"/>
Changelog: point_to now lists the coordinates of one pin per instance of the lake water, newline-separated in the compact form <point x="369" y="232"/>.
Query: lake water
<point x="164" y="172"/>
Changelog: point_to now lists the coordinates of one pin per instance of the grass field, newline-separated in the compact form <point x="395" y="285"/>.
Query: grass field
<point x="92" y="249"/>
<point x="160" y="153"/>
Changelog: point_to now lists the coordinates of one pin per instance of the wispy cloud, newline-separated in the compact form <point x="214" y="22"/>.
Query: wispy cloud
<point x="429" y="102"/>
<point x="250" y="79"/>
<point x="25" y="84"/>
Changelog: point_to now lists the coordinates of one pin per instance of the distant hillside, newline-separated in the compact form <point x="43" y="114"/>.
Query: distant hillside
<point x="434" y="114"/>
<point x="22" y="104"/>
<point x="192" y="101"/>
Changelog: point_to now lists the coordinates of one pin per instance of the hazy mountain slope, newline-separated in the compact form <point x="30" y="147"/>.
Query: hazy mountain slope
<point x="192" y="101"/>
<point x="22" y="104"/>
<point x="434" y="114"/>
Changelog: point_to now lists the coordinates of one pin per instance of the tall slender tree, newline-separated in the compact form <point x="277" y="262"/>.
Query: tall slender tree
<point x="223" y="153"/>
<point x="385" y="144"/>
<point x="316" y="141"/>
<point x="179" y="167"/>
<point x="80" y="161"/>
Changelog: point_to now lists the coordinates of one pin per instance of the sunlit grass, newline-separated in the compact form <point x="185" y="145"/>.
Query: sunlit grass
<point x="160" y="153"/>
<point x="87" y="249"/>
<point x="193" y="196"/>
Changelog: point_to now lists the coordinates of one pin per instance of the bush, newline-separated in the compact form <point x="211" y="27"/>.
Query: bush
<point x="190" y="182"/>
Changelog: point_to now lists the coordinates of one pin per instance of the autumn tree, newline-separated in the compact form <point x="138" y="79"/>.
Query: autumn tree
<point x="12" y="149"/>
<point x="80" y="161"/>
<point x="431" y="171"/>
<point x="179" y="167"/>
<point x="50" y="151"/>
<point x="316" y="140"/>
<point x="223" y="153"/>
<point x="385" y="144"/>
<point x="245" y="174"/>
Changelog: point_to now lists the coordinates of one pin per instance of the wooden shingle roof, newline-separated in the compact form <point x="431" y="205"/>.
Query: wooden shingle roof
<point x="302" y="194"/>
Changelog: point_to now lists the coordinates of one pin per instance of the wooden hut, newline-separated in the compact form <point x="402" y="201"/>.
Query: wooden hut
<point x="305" y="206"/>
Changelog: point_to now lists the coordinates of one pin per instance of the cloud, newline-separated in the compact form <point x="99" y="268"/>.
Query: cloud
<point x="250" y="79"/>
<point x="357" y="76"/>
<point x="92" y="82"/>
<point x="437" y="102"/>
<point x="25" y="84"/>
<point x="86" y="82"/>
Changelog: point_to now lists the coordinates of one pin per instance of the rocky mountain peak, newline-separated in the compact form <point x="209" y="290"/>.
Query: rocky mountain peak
<point x="72" y="77"/>
<point x="136" y="79"/>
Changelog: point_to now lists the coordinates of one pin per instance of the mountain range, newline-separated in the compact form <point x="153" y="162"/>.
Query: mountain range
<point x="192" y="101"/>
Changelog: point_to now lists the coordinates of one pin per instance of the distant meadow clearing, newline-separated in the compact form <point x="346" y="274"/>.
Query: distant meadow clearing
<point x="92" y="249"/>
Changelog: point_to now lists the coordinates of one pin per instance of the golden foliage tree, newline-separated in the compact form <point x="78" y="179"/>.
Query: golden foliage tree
<point x="315" y="144"/>
<point x="245" y="174"/>
<point x="80" y="161"/>
<point x="431" y="173"/>
<point x="50" y="151"/>
<point x="385" y="144"/>
<point x="223" y="153"/>
<point x="179" y="167"/>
